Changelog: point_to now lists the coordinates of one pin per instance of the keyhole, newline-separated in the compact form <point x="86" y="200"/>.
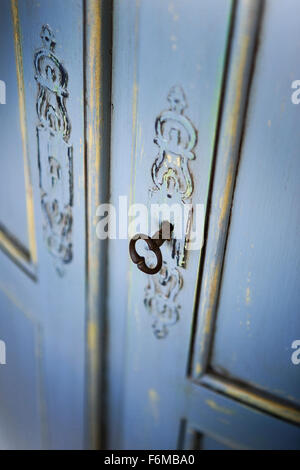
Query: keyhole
<point x="143" y="249"/>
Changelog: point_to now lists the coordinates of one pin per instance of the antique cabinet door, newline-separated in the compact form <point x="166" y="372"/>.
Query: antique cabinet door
<point x="200" y="354"/>
<point x="44" y="302"/>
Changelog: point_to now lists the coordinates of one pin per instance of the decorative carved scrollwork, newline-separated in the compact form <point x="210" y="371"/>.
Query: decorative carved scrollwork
<point x="160" y="299"/>
<point x="176" y="138"/>
<point x="55" y="155"/>
<point x="52" y="79"/>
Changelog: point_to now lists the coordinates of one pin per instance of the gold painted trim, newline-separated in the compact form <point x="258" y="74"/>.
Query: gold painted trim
<point x="244" y="395"/>
<point x="97" y="38"/>
<point x="93" y="156"/>
<point x="13" y="249"/>
<point x="20" y="254"/>
<point x="133" y="156"/>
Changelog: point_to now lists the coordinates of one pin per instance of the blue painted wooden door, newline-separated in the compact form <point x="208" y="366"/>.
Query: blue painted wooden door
<point x="201" y="354"/>
<point x="42" y="225"/>
<point x="55" y="121"/>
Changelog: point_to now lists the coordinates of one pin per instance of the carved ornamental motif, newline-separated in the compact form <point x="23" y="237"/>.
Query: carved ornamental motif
<point x="176" y="138"/>
<point x="55" y="155"/>
<point x="161" y="299"/>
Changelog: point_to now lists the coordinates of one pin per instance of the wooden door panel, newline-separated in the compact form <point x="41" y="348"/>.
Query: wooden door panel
<point x="61" y="285"/>
<point x="256" y="320"/>
<point x="56" y="298"/>
<point x="186" y="59"/>
<point x="168" y="394"/>
<point x="21" y="404"/>
<point x="13" y="207"/>
<point x="199" y="356"/>
<point x="231" y="424"/>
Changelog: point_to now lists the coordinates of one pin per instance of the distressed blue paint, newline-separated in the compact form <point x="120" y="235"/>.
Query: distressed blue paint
<point x="258" y="314"/>
<point x="152" y="403"/>
<point x="156" y="45"/>
<point x="57" y="305"/>
<point x="12" y="215"/>
<point x="20" y="406"/>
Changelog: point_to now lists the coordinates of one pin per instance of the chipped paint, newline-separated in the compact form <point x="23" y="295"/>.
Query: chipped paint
<point x="154" y="403"/>
<point x="248" y="295"/>
<point x="171" y="10"/>
<point x="269" y="405"/>
<point x="226" y="196"/>
<point x="198" y="368"/>
<point x="92" y="336"/>
<point x="219" y="408"/>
